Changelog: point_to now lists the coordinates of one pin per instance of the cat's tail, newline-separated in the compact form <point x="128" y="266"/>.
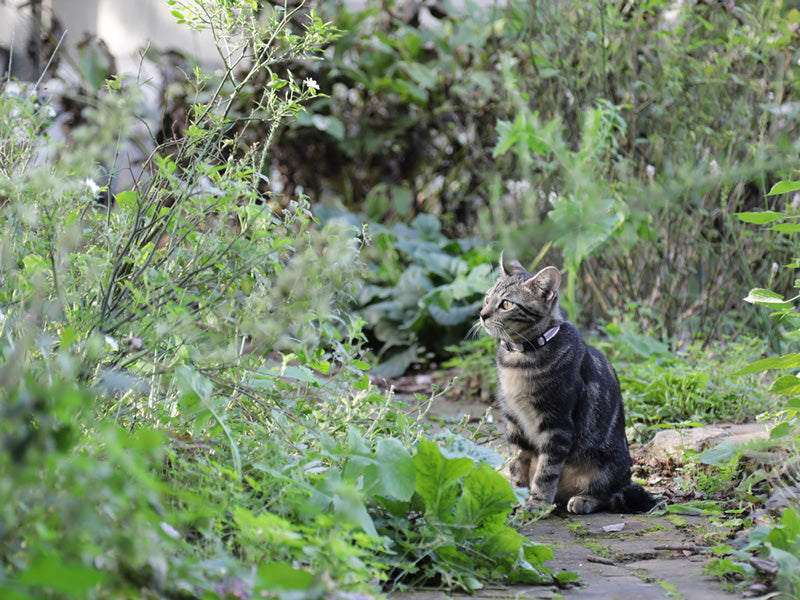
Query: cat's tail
<point x="632" y="498"/>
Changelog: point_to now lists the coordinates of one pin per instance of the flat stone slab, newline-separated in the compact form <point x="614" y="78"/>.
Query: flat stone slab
<point x="670" y="444"/>
<point x="617" y="557"/>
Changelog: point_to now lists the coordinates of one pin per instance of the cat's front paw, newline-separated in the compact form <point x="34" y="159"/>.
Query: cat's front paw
<point x="538" y="508"/>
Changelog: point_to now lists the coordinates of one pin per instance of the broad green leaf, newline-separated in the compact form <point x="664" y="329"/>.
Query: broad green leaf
<point x="356" y="442"/>
<point x="396" y="468"/>
<point x="784" y="187"/>
<point x="787" y="385"/>
<point x="438" y="479"/>
<point x="457" y="446"/>
<point x="486" y="493"/>
<point x="283" y="576"/>
<point x="301" y="373"/>
<point x="73" y="579"/>
<point x="760" y="218"/>
<point x="780" y="430"/>
<point x="789" y="361"/>
<point x="584" y="225"/>
<point x="721" y="455"/>
<point x="330" y="125"/>
<point x="786" y="227"/>
<point x="188" y="380"/>
<point x="126" y="200"/>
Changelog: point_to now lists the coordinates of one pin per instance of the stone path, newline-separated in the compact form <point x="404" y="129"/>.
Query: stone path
<point x="630" y="564"/>
<point x="637" y="562"/>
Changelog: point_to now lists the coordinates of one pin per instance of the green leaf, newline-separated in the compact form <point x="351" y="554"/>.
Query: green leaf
<point x="760" y="218"/>
<point x="721" y="455"/>
<point x="188" y="380"/>
<point x="486" y="494"/>
<point x="73" y="579"/>
<point x="396" y="468"/>
<point x="283" y="576"/>
<point x="786" y="227"/>
<point x="301" y="373"/>
<point x="438" y="479"/>
<point x="457" y="446"/>
<point x="784" y="187"/>
<point x="788" y="361"/>
<point x="780" y="430"/>
<point x="126" y="200"/>
<point x="786" y="385"/>
<point x="330" y="125"/>
<point x="766" y="298"/>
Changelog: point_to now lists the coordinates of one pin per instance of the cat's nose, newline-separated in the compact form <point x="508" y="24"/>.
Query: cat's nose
<point x="483" y="314"/>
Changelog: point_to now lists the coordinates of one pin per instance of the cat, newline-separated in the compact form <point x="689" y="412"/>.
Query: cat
<point x="561" y="399"/>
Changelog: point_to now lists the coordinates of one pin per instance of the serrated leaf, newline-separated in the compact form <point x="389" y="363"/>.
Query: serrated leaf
<point x="486" y="494"/>
<point x="780" y="430"/>
<point x="766" y="297"/>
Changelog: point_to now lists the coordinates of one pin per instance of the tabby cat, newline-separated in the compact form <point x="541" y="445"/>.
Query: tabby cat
<point x="561" y="399"/>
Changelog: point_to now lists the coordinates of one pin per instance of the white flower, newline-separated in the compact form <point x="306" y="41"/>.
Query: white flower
<point x="650" y="170"/>
<point x="92" y="185"/>
<point x="311" y="83"/>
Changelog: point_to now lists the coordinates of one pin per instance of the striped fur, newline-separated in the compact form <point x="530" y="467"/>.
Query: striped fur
<point x="561" y="400"/>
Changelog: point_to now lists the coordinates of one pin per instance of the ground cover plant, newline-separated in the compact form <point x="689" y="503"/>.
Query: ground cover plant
<point x="184" y="403"/>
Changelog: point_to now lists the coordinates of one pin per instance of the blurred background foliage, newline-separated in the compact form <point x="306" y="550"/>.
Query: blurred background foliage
<point x="625" y="133"/>
<point x="185" y="365"/>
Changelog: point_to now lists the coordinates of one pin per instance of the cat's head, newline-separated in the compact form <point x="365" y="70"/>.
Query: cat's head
<point x="520" y="304"/>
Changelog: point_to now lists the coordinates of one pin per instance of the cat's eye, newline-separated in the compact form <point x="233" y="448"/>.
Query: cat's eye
<point x="506" y="304"/>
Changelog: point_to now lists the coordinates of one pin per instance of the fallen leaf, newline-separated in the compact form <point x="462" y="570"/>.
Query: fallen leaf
<point x="614" y="527"/>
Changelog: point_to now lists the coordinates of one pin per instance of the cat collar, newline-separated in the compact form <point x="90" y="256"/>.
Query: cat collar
<point x="537" y="343"/>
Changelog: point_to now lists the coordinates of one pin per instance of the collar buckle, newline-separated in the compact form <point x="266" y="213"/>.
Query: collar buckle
<point x="537" y="343"/>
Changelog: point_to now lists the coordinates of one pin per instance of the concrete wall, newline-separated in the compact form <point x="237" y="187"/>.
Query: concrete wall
<point x="126" y="26"/>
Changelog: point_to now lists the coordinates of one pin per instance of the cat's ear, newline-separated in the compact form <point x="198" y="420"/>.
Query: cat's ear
<point x="516" y="267"/>
<point x="545" y="283"/>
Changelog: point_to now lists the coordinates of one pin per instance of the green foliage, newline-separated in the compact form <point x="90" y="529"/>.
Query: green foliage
<point x="776" y="550"/>
<point x="694" y="386"/>
<point x="453" y="530"/>
<point x="609" y="129"/>
<point x="184" y="406"/>
<point x="422" y="292"/>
